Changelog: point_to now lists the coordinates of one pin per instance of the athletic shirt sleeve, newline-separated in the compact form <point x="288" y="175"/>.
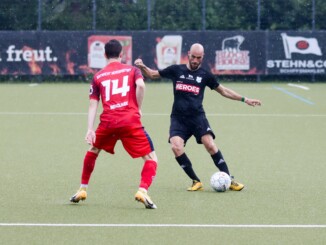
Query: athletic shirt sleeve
<point x="138" y="74"/>
<point x="212" y="82"/>
<point x="168" y="72"/>
<point x="94" y="91"/>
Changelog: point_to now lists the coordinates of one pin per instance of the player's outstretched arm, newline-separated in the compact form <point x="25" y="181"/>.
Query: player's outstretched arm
<point x="148" y="72"/>
<point x="140" y="92"/>
<point x="90" y="135"/>
<point x="230" y="94"/>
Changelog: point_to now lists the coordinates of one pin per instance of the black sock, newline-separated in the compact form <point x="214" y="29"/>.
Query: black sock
<point x="186" y="165"/>
<point x="220" y="162"/>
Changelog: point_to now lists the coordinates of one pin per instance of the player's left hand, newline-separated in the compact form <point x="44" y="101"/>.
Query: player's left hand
<point x="252" y="102"/>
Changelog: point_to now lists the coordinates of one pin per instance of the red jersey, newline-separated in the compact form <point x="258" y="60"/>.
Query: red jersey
<point x="115" y="85"/>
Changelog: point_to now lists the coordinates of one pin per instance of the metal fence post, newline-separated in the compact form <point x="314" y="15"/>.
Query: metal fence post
<point x="258" y="14"/>
<point x="39" y="15"/>
<point x="94" y="15"/>
<point x="203" y="15"/>
<point x="258" y="28"/>
<point x="148" y="15"/>
<point x="313" y="22"/>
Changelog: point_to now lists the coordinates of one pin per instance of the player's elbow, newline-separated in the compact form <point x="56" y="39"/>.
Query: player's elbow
<point x="140" y="83"/>
<point x="153" y="74"/>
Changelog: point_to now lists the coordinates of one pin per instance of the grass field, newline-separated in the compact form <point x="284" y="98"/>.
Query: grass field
<point x="277" y="151"/>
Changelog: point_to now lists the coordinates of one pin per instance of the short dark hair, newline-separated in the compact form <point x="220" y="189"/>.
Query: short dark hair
<point x="113" y="49"/>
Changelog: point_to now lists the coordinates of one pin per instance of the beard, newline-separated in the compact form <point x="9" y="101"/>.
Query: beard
<point x="194" y="66"/>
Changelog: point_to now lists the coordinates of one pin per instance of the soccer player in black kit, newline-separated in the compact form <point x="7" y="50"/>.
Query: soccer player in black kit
<point x="188" y="116"/>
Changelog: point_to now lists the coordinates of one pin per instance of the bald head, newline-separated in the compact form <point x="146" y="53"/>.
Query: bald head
<point x="195" y="56"/>
<point x="197" y="48"/>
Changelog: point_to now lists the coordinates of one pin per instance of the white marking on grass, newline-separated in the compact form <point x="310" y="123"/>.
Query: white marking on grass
<point x="294" y="95"/>
<point x="164" y="225"/>
<point x="43" y="113"/>
<point x="265" y="115"/>
<point x="159" y="114"/>
<point x="298" y="86"/>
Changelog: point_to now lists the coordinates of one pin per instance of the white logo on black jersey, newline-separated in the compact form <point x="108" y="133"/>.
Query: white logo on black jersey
<point x="190" y="77"/>
<point x="198" y="79"/>
<point x="182" y="76"/>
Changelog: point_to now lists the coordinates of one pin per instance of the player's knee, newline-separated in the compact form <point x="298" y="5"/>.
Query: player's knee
<point x="94" y="150"/>
<point x="151" y="156"/>
<point x="211" y="147"/>
<point x="177" y="148"/>
<point x="177" y="145"/>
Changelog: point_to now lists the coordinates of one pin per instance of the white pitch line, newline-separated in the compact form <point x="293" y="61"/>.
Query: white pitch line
<point x="298" y="86"/>
<point x="265" y="115"/>
<point x="33" y="84"/>
<point x="43" y="113"/>
<point x="159" y="114"/>
<point x="161" y="225"/>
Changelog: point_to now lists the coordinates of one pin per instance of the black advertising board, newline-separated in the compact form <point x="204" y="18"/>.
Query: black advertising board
<point x="295" y="53"/>
<point x="46" y="53"/>
<point x="236" y="53"/>
<point x="226" y="52"/>
<point x="54" y="53"/>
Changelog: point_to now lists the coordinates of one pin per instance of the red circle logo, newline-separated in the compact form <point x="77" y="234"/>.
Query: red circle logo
<point x="302" y="45"/>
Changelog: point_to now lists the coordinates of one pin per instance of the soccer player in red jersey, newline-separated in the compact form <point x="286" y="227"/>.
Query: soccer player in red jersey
<point x="121" y="89"/>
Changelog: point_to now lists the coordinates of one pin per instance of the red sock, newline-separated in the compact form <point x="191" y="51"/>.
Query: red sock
<point x="147" y="174"/>
<point x="89" y="164"/>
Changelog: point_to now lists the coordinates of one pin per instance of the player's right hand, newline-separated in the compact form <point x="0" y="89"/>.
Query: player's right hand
<point x="139" y="63"/>
<point x="90" y="137"/>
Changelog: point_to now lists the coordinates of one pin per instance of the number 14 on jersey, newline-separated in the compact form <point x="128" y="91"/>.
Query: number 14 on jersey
<point x="115" y="89"/>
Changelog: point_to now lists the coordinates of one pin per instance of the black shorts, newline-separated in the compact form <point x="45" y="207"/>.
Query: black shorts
<point x="186" y="126"/>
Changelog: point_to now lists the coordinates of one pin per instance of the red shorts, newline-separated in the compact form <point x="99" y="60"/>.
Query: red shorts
<point x="136" y="141"/>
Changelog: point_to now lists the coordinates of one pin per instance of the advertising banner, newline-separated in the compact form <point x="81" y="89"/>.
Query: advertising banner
<point x="36" y="53"/>
<point x="96" y="44"/>
<point x="60" y="52"/>
<point x="295" y="53"/>
<point x="226" y="52"/>
<point x="236" y="53"/>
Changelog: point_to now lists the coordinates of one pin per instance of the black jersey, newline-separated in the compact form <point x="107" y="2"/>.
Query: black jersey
<point x="188" y="88"/>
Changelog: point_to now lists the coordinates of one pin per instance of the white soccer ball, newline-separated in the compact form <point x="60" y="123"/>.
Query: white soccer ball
<point x="220" y="181"/>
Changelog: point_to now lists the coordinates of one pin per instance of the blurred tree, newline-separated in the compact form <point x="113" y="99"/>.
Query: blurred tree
<point x="278" y="14"/>
<point x="183" y="15"/>
<point x="121" y="15"/>
<point x="302" y="15"/>
<point x="320" y="15"/>
<point x="231" y="15"/>
<point x="67" y="15"/>
<point x="18" y="14"/>
<point x="165" y="14"/>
